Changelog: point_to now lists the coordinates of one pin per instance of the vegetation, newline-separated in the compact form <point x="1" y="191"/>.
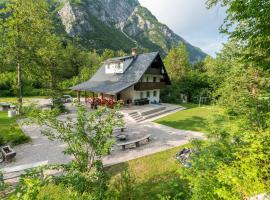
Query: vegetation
<point x="131" y="180"/>
<point x="156" y="174"/>
<point x="234" y="164"/>
<point x="233" y="161"/>
<point x="88" y="138"/>
<point x="197" y="118"/>
<point x="189" y="82"/>
<point x="10" y="132"/>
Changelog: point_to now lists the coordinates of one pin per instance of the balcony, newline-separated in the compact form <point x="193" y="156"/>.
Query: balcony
<point x="141" y="86"/>
<point x="153" y="71"/>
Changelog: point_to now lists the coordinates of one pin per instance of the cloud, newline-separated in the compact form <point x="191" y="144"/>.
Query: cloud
<point x="191" y="20"/>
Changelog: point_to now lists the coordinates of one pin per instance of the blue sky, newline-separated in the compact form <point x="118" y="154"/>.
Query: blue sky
<point x="191" y="20"/>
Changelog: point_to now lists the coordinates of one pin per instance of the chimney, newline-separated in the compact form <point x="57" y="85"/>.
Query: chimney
<point x="134" y="51"/>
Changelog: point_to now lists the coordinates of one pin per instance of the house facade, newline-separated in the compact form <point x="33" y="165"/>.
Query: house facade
<point x="128" y="78"/>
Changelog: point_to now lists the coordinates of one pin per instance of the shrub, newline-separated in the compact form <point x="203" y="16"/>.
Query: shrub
<point x="2" y="140"/>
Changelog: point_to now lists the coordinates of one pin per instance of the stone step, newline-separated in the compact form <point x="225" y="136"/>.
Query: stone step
<point x="149" y="112"/>
<point x="160" y="113"/>
<point x="133" y="113"/>
<point x="138" y="117"/>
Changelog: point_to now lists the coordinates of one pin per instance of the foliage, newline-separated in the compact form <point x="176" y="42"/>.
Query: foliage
<point x="88" y="137"/>
<point x="150" y="177"/>
<point x="234" y="164"/>
<point x="10" y="131"/>
<point x="124" y="186"/>
<point x="187" y="80"/>
<point x="177" y="63"/>
<point x="246" y="22"/>
<point x="2" y="183"/>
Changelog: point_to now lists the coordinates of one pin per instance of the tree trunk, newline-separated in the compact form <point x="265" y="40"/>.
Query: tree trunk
<point x="19" y="88"/>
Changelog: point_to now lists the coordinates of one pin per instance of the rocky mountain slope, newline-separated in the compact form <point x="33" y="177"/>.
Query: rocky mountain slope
<point x="119" y="24"/>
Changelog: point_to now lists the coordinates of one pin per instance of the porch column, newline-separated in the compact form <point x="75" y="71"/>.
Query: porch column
<point x="79" y="96"/>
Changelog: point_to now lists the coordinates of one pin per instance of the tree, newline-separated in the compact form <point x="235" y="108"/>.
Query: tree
<point x="234" y="163"/>
<point x="27" y="29"/>
<point x="177" y="62"/>
<point x="88" y="137"/>
<point x="246" y="22"/>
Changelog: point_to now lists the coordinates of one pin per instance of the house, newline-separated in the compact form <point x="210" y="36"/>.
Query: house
<point x="128" y="78"/>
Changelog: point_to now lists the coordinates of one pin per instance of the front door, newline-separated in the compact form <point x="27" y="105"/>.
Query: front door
<point x="118" y="97"/>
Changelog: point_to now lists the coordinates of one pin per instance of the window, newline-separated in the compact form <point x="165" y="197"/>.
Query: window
<point x="155" y="93"/>
<point x="155" y="79"/>
<point x="147" y="79"/>
<point x="148" y="94"/>
<point x="141" y="95"/>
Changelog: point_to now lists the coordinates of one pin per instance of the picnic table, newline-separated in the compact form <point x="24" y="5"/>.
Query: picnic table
<point x="5" y="106"/>
<point x="118" y="129"/>
<point x="136" y="142"/>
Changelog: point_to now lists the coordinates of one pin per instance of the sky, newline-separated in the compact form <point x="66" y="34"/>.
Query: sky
<point x="191" y="20"/>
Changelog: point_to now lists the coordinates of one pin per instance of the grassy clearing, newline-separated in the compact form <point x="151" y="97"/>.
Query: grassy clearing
<point x="197" y="119"/>
<point x="25" y="99"/>
<point x="10" y="131"/>
<point x="153" y="175"/>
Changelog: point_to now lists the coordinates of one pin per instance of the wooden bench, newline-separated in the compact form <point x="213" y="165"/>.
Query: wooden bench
<point x="141" y="102"/>
<point x="122" y="129"/>
<point x="136" y="142"/>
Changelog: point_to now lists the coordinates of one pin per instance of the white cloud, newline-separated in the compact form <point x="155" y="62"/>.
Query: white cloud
<point x="191" y="20"/>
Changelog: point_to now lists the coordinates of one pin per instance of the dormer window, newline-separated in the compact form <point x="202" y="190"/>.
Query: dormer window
<point x="114" y="68"/>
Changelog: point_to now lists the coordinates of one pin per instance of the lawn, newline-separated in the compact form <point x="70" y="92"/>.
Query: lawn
<point x="10" y="131"/>
<point x="25" y="99"/>
<point x="151" y="175"/>
<point x="196" y="118"/>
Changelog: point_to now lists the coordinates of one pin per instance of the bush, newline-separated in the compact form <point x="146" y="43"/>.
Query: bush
<point x="14" y="136"/>
<point x="2" y="140"/>
<point x="59" y="105"/>
<point x="10" y="132"/>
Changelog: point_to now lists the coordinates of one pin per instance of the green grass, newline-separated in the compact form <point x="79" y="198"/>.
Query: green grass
<point x="197" y="118"/>
<point x="25" y="99"/>
<point x="10" y="131"/>
<point x="153" y="174"/>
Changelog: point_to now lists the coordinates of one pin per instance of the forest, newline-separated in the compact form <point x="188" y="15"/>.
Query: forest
<point x="230" y="164"/>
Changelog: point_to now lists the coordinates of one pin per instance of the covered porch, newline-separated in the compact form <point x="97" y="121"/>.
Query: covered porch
<point x="93" y="99"/>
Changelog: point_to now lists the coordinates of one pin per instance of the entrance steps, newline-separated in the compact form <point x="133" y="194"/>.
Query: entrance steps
<point x="140" y="116"/>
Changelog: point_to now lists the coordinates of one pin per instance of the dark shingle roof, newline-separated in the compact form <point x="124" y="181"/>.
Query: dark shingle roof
<point x="134" y="68"/>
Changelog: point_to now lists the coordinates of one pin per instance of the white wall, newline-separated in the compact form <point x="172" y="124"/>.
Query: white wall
<point x="130" y="93"/>
<point x="151" y="78"/>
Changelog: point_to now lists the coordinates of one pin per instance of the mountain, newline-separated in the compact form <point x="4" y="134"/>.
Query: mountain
<point x="119" y="24"/>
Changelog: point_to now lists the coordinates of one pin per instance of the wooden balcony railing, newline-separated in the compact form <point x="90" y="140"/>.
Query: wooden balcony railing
<point x="148" y="86"/>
